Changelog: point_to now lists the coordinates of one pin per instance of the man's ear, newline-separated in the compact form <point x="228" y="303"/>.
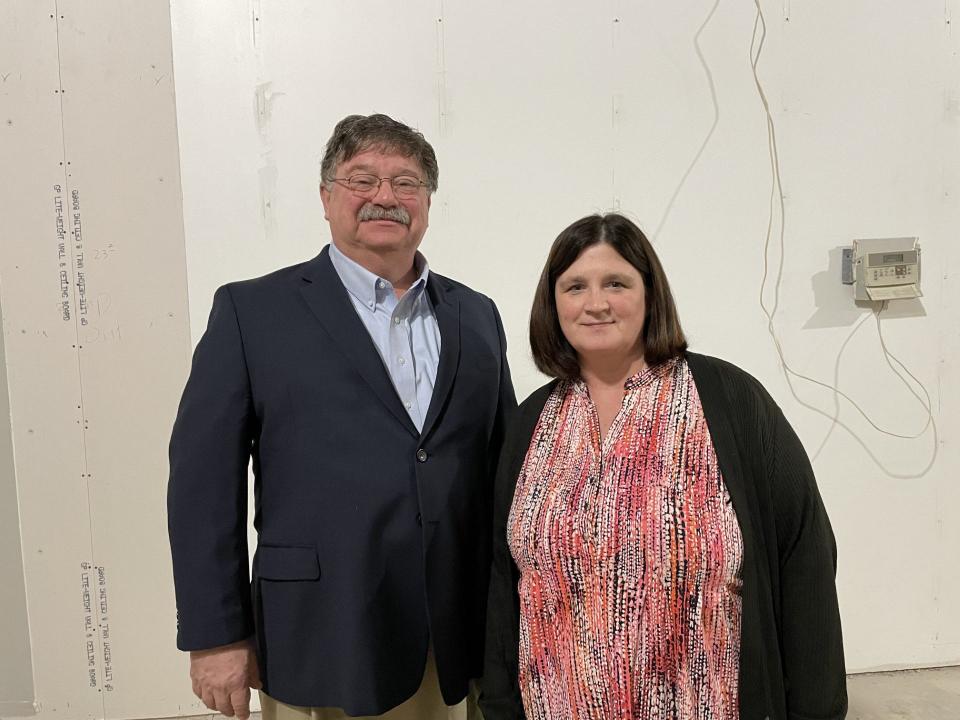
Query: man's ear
<point x="325" y="199"/>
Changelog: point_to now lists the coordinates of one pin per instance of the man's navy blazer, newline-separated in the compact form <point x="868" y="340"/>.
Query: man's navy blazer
<point x="374" y="538"/>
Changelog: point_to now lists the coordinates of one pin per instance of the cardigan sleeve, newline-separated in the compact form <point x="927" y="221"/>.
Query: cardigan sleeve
<point x="500" y="687"/>
<point x="811" y="643"/>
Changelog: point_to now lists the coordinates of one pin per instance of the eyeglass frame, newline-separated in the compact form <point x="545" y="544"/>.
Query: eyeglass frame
<point x="373" y="191"/>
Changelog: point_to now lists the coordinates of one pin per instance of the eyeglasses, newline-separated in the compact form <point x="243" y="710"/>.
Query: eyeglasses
<point x="365" y="185"/>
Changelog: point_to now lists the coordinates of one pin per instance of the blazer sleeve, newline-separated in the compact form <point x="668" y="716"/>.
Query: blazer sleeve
<point x="811" y="642"/>
<point x="507" y="403"/>
<point x="210" y="451"/>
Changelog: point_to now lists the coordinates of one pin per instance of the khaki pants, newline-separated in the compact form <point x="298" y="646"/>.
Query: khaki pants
<point x="425" y="704"/>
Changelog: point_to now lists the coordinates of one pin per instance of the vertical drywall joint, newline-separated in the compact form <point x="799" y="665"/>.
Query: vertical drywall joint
<point x="441" y="74"/>
<point x="264" y="95"/>
<point x="615" y="102"/>
<point x="255" y="22"/>
<point x="68" y="204"/>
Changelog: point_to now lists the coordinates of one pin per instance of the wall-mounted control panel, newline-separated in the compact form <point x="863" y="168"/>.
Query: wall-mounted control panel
<point x="883" y="269"/>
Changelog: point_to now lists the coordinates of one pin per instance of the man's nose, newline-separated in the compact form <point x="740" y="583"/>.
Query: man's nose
<point x="385" y="195"/>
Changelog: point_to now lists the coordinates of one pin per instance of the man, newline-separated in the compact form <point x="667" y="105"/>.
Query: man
<point x="371" y="395"/>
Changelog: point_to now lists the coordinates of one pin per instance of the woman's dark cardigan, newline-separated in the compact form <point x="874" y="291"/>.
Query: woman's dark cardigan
<point x="791" y="651"/>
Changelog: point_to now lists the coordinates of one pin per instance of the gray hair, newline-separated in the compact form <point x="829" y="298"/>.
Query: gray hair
<point x="358" y="133"/>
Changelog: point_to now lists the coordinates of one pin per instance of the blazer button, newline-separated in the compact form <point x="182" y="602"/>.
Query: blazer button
<point x="422" y="455"/>
<point x="419" y="520"/>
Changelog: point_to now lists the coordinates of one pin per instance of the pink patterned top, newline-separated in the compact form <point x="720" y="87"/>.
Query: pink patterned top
<point x="629" y="555"/>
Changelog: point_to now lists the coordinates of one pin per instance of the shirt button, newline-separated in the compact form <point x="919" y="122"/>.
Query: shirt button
<point x="421" y="455"/>
<point x="396" y="321"/>
<point x="401" y="360"/>
<point x="380" y="284"/>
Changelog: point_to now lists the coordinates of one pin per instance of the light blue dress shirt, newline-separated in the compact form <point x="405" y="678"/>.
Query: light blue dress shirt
<point x="404" y="330"/>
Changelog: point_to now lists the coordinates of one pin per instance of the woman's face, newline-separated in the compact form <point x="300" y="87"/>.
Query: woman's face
<point x="601" y="305"/>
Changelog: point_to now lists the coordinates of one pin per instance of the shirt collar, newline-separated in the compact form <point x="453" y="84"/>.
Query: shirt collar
<point x="649" y="374"/>
<point x="640" y="378"/>
<point x="368" y="288"/>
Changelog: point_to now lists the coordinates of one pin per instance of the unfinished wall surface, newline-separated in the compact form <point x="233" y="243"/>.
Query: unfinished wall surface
<point x="96" y="343"/>
<point x="540" y="112"/>
<point x="16" y="661"/>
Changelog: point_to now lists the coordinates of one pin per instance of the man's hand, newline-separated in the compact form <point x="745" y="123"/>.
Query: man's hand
<point x="222" y="677"/>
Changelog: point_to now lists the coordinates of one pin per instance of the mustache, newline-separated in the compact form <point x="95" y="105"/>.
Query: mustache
<point x="377" y="212"/>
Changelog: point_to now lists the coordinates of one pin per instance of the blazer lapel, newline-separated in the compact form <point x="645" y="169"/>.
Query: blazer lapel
<point x="446" y="307"/>
<point x="327" y="299"/>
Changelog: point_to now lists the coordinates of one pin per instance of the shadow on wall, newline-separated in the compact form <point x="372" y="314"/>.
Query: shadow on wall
<point x="16" y="659"/>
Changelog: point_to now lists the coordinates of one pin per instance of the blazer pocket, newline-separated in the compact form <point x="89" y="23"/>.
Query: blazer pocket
<point x="286" y="562"/>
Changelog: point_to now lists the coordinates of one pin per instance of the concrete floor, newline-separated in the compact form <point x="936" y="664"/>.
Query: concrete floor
<point x="915" y="694"/>
<point x="906" y="695"/>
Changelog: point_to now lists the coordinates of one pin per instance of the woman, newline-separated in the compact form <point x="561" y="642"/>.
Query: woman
<point x="661" y="550"/>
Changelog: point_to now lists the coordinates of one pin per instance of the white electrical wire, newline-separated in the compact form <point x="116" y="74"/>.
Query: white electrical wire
<point x="713" y="125"/>
<point x="836" y="381"/>
<point x="777" y="205"/>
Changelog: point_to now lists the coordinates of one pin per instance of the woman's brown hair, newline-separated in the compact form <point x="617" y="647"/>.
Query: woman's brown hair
<point x="662" y="337"/>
